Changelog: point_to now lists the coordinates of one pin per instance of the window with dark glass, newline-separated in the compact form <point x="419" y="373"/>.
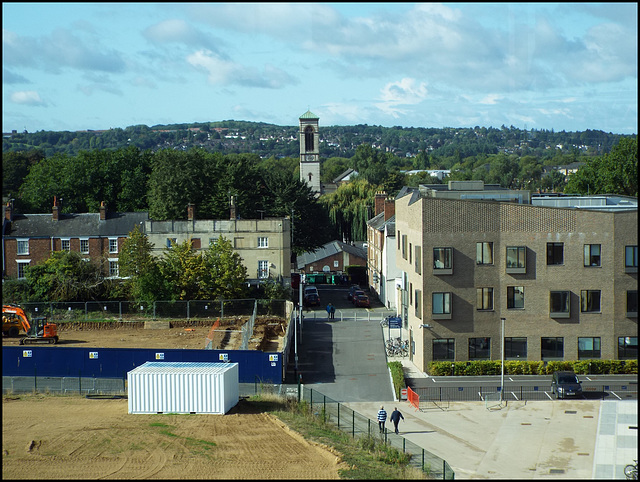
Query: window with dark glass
<point x="631" y="257"/>
<point x="441" y="303"/>
<point x="444" y="349"/>
<point x="559" y="302"/>
<point x="592" y="255"/>
<point x="479" y="348"/>
<point x="308" y="138"/>
<point x="590" y="301"/>
<point x="632" y="303"/>
<point x="442" y="258"/>
<point x="588" y="347"/>
<point x="418" y="296"/>
<point x="484" y="298"/>
<point x="555" y="253"/>
<point x="515" y="297"/>
<point x="551" y="347"/>
<point x="628" y="347"/>
<point x="515" y="347"/>
<point x="516" y="257"/>
<point x="418" y="260"/>
<point x="484" y="253"/>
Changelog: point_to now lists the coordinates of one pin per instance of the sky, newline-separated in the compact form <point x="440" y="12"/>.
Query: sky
<point x="560" y="66"/>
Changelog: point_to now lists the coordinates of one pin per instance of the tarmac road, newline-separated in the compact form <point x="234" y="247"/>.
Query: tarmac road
<point x="557" y="439"/>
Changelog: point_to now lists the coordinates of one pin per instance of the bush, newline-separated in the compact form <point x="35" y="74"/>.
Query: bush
<point x="397" y="375"/>
<point x="525" y="367"/>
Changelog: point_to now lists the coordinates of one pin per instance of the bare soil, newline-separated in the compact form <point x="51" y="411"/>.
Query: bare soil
<point x="53" y="437"/>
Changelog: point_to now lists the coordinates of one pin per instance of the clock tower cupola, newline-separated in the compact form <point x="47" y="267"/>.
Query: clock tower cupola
<point x="310" y="151"/>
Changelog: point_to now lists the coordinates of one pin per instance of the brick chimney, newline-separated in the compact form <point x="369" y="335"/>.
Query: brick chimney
<point x="8" y="210"/>
<point x="389" y="208"/>
<point x="103" y="211"/>
<point x="232" y="214"/>
<point x="379" y="202"/>
<point x="55" y="210"/>
<point x="191" y="212"/>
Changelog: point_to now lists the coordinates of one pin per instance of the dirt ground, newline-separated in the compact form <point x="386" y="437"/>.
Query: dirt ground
<point x="268" y="334"/>
<point x="52" y="437"/>
<point x="79" y="438"/>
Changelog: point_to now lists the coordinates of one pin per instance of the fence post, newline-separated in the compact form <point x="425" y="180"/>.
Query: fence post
<point x="35" y="379"/>
<point x="86" y="311"/>
<point x="338" y="414"/>
<point x="324" y="408"/>
<point x="353" y="423"/>
<point x="188" y="310"/>
<point x="119" y="310"/>
<point x="154" y="311"/>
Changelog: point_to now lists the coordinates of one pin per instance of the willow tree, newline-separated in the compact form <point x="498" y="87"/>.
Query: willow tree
<point x="349" y="209"/>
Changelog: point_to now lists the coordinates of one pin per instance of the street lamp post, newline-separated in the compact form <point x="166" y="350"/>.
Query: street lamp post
<point x="502" y="360"/>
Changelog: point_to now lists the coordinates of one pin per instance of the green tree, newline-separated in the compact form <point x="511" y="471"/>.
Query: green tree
<point x="349" y="209"/>
<point x="65" y="276"/>
<point x="183" y="270"/>
<point x="143" y="280"/>
<point x="226" y="275"/>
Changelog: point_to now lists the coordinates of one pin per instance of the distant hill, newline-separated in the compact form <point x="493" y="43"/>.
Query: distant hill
<point x="267" y="140"/>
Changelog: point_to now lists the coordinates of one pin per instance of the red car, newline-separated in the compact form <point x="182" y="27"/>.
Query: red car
<point x="362" y="301"/>
<point x="355" y="294"/>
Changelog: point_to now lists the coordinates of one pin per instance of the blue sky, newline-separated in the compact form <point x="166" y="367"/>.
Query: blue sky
<point x="561" y="66"/>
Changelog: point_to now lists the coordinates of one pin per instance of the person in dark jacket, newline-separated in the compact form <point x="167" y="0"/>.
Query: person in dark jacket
<point x="395" y="418"/>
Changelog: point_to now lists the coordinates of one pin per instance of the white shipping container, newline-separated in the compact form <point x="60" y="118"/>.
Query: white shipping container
<point x="183" y="387"/>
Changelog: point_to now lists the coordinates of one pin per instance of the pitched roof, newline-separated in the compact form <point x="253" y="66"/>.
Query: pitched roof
<point x="329" y="249"/>
<point x="378" y="222"/>
<point x="346" y="175"/>
<point x="74" y="225"/>
<point x="309" y="116"/>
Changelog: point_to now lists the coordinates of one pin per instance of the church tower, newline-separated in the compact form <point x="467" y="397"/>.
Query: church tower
<point x="310" y="152"/>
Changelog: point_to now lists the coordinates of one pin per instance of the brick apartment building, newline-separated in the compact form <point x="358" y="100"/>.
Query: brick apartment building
<point x="564" y="279"/>
<point x="28" y="239"/>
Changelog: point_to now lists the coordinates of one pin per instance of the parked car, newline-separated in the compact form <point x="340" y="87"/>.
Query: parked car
<point x="565" y="384"/>
<point x="352" y="289"/>
<point x="355" y="295"/>
<point x="311" y="299"/>
<point x="362" y="301"/>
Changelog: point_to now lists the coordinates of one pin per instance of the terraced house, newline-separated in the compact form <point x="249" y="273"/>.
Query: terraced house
<point x="563" y="278"/>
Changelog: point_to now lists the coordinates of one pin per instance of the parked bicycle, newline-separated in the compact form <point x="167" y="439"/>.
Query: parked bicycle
<point x="397" y="347"/>
<point x="631" y="471"/>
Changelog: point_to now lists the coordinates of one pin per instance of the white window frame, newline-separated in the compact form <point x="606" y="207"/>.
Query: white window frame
<point x="83" y="240"/>
<point x="22" y="242"/>
<point x="22" y="262"/>
<point x="111" y="275"/>
<point x="115" y="242"/>
<point x="446" y="297"/>
<point x="263" y="269"/>
<point x="263" y="242"/>
<point x="484" y="253"/>
<point x="62" y="243"/>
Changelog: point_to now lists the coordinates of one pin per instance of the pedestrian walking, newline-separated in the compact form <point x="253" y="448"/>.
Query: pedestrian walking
<point x="330" y="311"/>
<point x="382" y="418"/>
<point x="395" y="418"/>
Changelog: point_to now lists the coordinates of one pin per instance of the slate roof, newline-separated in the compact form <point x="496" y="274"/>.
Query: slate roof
<point x="74" y="225"/>
<point x="329" y="249"/>
<point x="346" y="175"/>
<point x="378" y="222"/>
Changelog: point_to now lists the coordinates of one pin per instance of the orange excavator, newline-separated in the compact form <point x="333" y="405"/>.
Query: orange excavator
<point x="38" y="330"/>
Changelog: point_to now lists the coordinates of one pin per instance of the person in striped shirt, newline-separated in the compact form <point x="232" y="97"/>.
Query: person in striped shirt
<point x="382" y="418"/>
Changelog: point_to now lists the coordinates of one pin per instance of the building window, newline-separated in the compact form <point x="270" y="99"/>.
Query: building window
<point x="588" y="347"/>
<point x="631" y="259"/>
<point x="263" y="269"/>
<point x="590" y="301"/>
<point x="442" y="260"/>
<point x="23" y="246"/>
<point x="114" y="270"/>
<point x="559" y="304"/>
<point x="632" y="303"/>
<point x="479" y="348"/>
<point x="22" y="265"/>
<point x="410" y="251"/>
<point x="555" y="253"/>
<point x="336" y="263"/>
<point x="484" y="299"/>
<point x="263" y="242"/>
<point x="552" y="348"/>
<point x="592" y="255"/>
<point x="399" y="238"/>
<point x="515" y="348"/>
<point x="484" y="253"/>
<point x="515" y="297"/>
<point x="171" y="242"/>
<point x="516" y="259"/>
<point x="418" y="307"/>
<point x="444" y="349"/>
<point x="65" y="244"/>
<point x="418" y="260"/>
<point x="113" y="245"/>
<point x="404" y="246"/>
<point x="628" y="347"/>
<point x="441" y="305"/>
<point x="84" y="246"/>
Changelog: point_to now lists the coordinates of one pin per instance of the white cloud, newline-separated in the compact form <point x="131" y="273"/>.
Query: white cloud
<point x="404" y="92"/>
<point x="26" y="97"/>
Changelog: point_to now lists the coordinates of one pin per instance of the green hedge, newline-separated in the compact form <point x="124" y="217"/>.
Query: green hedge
<point x="521" y="367"/>
<point x="397" y="375"/>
